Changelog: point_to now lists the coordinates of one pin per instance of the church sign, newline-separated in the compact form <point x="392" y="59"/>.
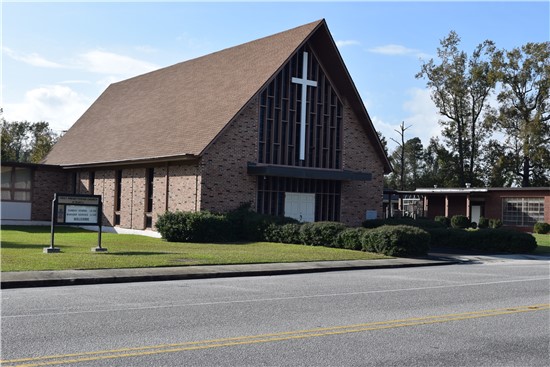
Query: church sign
<point x="76" y="210"/>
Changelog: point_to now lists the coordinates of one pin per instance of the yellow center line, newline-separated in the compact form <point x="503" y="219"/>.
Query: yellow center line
<point x="262" y="338"/>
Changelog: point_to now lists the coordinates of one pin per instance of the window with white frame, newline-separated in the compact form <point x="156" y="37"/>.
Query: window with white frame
<point x="522" y="211"/>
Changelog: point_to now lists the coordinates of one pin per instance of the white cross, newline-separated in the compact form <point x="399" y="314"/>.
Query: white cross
<point x="305" y="83"/>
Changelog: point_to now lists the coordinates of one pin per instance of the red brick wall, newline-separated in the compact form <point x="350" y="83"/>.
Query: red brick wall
<point x="435" y="206"/>
<point x="359" y="155"/>
<point x="132" y="205"/>
<point x="45" y="184"/>
<point x="184" y="185"/>
<point x="225" y="183"/>
<point x="104" y="185"/>
<point x="493" y="202"/>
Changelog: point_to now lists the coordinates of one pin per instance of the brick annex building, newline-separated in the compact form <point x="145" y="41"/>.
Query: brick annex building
<point x="275" y="122"/>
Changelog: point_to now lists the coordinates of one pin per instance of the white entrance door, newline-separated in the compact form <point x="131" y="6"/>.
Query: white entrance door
<point x="476" y="213"/>
<point x="300" y="206"/>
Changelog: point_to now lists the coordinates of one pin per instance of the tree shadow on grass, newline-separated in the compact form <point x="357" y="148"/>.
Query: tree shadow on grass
<point x="45" y="229"/>
<point x="15" y="245"/>
<point x="137" y="253"/>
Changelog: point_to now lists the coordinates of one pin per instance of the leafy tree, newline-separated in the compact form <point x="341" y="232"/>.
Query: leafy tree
<point x="23" y="141"/>
<point x="383" y="141"/>
<point x="439" y="166"/>
<point x="523" y="114"/>
<point x="460" y="86"/>
<point x="407" y="160"/>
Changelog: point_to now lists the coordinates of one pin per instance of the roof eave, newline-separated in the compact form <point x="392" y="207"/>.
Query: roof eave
<point x="131" y="162"/>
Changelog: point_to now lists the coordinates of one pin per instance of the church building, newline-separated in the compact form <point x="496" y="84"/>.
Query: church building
<point x="276" y="122"/>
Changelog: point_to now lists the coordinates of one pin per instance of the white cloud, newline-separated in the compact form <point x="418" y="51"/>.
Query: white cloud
<point x="146" y="49"/>
<point x="422" y="115"/>
<point x="59" y="105"/>
<point x="398" y="50"/>
<point x="33" y="59"/>
<point x="345" y="43"/>
<point x="103" y="62"/>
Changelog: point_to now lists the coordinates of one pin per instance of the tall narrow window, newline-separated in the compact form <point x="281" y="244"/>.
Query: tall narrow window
<point x="149" y="207"/>
<point x="118" y="195"/>
<point x="91" y="182"/>
<point x="73" y="183"/>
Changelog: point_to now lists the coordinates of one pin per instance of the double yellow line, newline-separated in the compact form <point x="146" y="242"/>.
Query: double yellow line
<point x="263" y="338"/>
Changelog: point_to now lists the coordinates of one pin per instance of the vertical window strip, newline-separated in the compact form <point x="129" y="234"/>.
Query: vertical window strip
<point x="279" y="130"/>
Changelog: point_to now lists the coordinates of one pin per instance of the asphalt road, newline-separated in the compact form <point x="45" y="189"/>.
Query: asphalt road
<point x="492" y="314"/>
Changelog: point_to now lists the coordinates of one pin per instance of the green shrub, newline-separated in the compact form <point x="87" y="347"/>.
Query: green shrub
<point x="503" y="240"/>
<point x="351" y="238"/>
<point x="450" y="237"/>
<point x="252" y="226"/>
<point x="443" y="220"/>
<point x="420" y="223"/>
<point x="397" y="241"/>
<point x="495" y="223"/>
<point x="541" y="227"/>
<point x="460" y="221"/>
<point x="286" y="233"/>
<point x="320" y="233"/>
<point x="195" y="227"/>
<point x="488" y="240"/>
<point x="483" y="223"/>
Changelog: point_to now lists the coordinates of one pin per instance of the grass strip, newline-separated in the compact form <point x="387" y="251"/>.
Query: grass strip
<point x="22" y="251"/>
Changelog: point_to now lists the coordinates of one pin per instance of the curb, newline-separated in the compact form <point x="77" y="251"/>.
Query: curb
<point x="13" y="280"/>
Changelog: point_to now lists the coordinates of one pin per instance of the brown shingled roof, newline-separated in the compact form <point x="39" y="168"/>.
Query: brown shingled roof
<point x="177" y="110"/>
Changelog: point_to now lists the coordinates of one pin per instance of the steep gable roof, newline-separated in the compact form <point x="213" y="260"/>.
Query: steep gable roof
<point x="177" y="111"/>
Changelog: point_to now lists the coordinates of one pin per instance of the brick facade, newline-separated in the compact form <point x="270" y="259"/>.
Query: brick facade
<point x="225" y="183"/>
<point x="45" y="184"/>
<point x="184" y="189"/>
<point x="489" y="200"/>
<point x="104" y="185"/>
<point x="359" y="155"/>
<point x="219" y="181"/>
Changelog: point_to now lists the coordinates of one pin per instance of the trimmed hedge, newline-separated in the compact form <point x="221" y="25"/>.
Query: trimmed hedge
<point x="241" y="224"/>
<point x="320" y="233"/>
<point x="541" y="227"/>
<point x="286" y="233"/>
<point x="495" y="223"/>
<point x="250" y="225"/>
<point x="487" y="240"/>
<point x="195" y="227"/>
<point x="483" y="222"/>
<point x="446" y="221"/>
<point x="397" y="241"/>
<point x="460" y="221"/>
<point x="419" y="223"/>
<point x="351" y="238"/>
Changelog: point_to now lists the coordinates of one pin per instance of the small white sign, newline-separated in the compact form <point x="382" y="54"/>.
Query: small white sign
<point x="81" y="214"/>
<point x="371" y="214"/>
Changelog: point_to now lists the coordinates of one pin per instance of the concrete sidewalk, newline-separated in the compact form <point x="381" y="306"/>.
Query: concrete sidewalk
<point x="28" y="279"/>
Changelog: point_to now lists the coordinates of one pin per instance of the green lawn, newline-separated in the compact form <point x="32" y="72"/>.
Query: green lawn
<point x="22" y="250"/>
<point x="543" y="242"/>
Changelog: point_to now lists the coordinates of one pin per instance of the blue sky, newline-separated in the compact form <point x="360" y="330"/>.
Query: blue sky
<point x="58" y="57"/>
